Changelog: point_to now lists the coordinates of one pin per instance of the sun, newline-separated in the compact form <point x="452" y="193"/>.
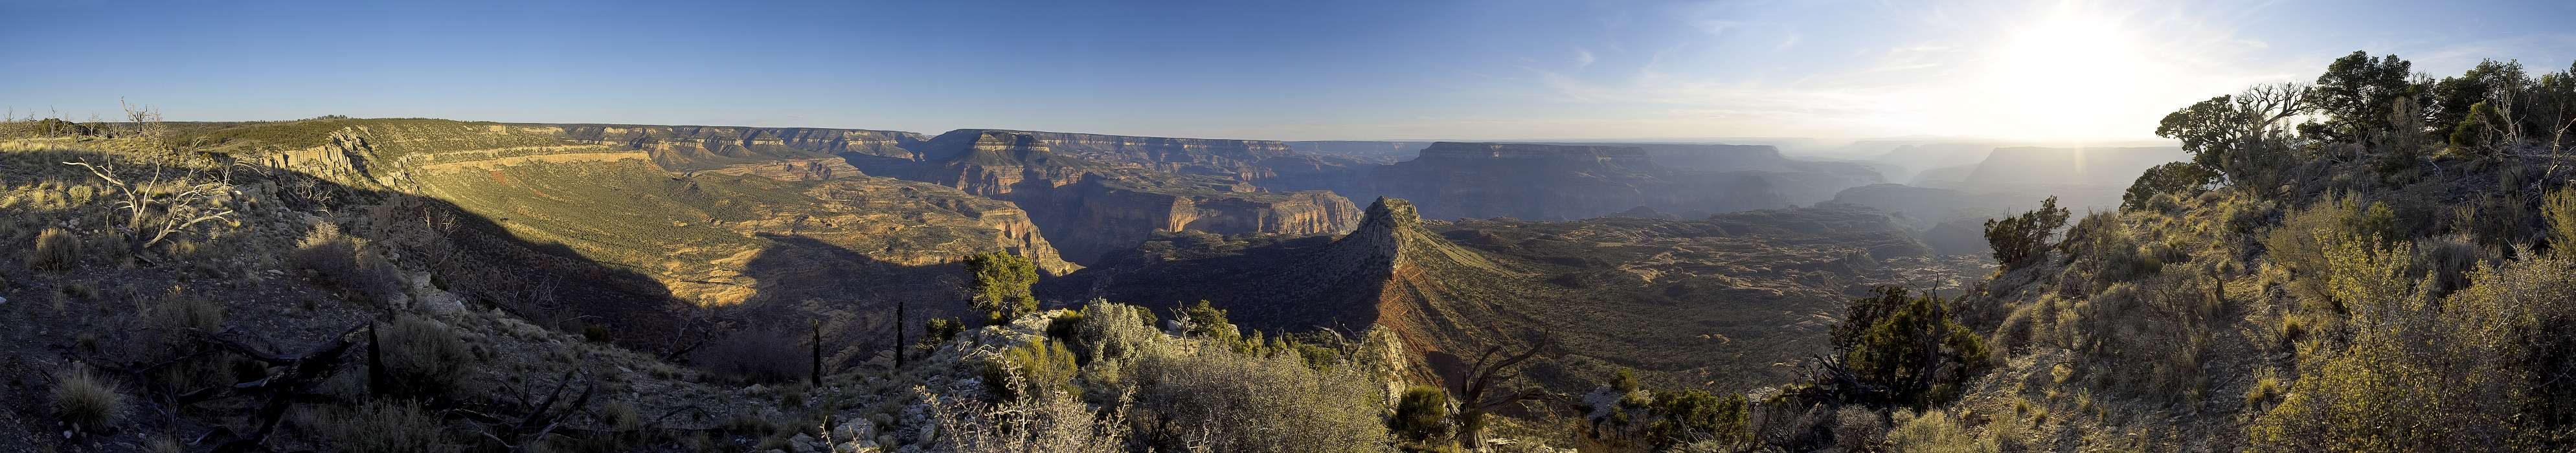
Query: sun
<point x="2057" y="77"/>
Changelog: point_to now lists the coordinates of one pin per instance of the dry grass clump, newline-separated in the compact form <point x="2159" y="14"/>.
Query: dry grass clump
<point x="1857" y="428"/>
<point x="381" y="427"/>
<point x="2106" y="250"/>
<point x="183" y="311"/>
<point x="341" y="261"/>
<point x="2152" y="337"/>
<point x="423" y="358"/>
<point x="87" y="402"/>
<point x="56" y="249"/>
<point x="1934" y="431"/>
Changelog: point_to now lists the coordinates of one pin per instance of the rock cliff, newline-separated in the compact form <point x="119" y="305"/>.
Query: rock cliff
<point x="1267" y="164"/>
<point x="719" y="216"/>
<point x="1554" y="182"/>
<point x="686" y="148"/>
<point x="1092" y="208"/>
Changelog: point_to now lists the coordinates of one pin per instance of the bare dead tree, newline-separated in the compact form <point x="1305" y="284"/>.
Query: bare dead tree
<point x="541" y="418"/>
<point x="151" y="220"/>
<point x="2268" y="106"/>
<point x="1488" y="387"/>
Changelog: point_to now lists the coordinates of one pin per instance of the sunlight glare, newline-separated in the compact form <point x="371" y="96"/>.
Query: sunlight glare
<point x="2048" y="76"/>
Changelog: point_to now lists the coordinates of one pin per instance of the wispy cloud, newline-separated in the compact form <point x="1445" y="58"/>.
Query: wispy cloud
<point x="1582" y="58"/>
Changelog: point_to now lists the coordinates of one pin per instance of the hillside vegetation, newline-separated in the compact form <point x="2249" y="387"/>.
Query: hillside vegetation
<point x="2373" y="262"/>
<point x="182" y="297"/>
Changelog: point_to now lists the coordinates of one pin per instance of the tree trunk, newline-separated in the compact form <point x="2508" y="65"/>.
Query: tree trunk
<point x="375" y="363"/>
<point x="900" y="347"/>
<point x="817" y="376"/>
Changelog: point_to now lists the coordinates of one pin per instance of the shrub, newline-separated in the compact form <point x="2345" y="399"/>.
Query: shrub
<point x="2016" y="240"/>
<point x="2447" y="261"/>
<point x="383" y="426"/>
<point x="1041" y="366"/>
<point x="2151" y="335"/>
<point x="2300" y="244"/>
<point x="168" y="339"/>
<point x="1904" y="349"/>
<point x="422" y="358"/>
<point x="342" y="262"/>
<point x="87" y="402"/>
<point x="1061" y="326"/>
<point x="1000" y="282"/>
<point x="1206" y="321"/>
<point x="1112" y="331"/>
<point x="1205" y="394"/>
<point x="2558" y="208"/>
<point x="56" y="249"/>
<point x="1857" y="428"/>
<point x="1421" y="414"/>
<point x="2176" y="178"/>
<point x="940" y="330"/>
<point x="2101" y="247"/>
<point x="1684" y="416"/>
<point x="1048" y="422"/>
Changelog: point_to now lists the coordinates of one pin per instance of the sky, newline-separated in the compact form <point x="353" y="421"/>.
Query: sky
<point x="2064" y="71"/>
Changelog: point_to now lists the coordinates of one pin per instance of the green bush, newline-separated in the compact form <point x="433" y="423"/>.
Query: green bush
<point x="2176" y="178"/>
<point x="1905" y="349"/>
<point x="56" y="249"/>
<point x="1206" y="321"/>
<point x="2558" y="208"/>
<point x="1421" y="415"/>
<point x="1042" y="366"/>
<point x="1000" y="284"/>
<point x="2019" y="239"/>
<point x="1061" y="326"/>
<point x="1684" y="416"/>
<point x="2299" y="246"/>
<point x="939" y="330"/>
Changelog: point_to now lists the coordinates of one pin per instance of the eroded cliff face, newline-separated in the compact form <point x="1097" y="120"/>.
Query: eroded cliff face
<point x="1554" y="182"/>
<point x="718" y="216"/>
<point x="1729" y="301"/>
<point x="1267" y="164"/>
<point x="686" y="148"/>
<point x="1092" y="208"/>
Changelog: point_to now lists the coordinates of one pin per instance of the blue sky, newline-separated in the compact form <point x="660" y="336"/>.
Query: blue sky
<point x="2035" y="70"/>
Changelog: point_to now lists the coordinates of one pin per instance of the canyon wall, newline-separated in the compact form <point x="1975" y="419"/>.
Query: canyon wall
<point x="1558" y="182"/>
<point x="1126" y="189"/>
